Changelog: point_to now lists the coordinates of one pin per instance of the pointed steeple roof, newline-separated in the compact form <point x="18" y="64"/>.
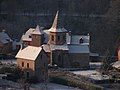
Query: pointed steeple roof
<point x="57" y="24"/>
<point x="37" y="30"/>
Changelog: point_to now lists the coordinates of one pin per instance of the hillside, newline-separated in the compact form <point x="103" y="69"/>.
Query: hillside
<point x="100" y="18"/>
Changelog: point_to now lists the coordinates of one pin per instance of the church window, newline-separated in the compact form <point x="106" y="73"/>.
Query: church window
<point x="59" y="58"/>
<point x="58" y="38"/>
<point x="52" y="38"/>
<point x="28" y="74"/>
<point x="81" y="40"/>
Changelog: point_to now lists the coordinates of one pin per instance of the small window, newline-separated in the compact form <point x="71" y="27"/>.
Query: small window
<point x="22" y="64"/>
<point x="27" y="65"/>
<point x="52" y="38"/>
<point x="27" y="74"/>
<point x="30" y="36"/>
<point x="58" y="38"/>
<point x="81" y="40"/>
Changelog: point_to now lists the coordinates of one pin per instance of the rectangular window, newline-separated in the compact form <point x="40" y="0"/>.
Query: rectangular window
<point x="52" y="37"/>
<point x="22" y="64"/>
<point x="27" y="65"/>
<point x="58" y="38"/>
<point x="27" y="74"/>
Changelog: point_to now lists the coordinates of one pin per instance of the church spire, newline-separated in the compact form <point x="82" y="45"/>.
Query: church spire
<point x="57" y="25"/>
<point x="37" y="30"/>
<point x="55" y="20"/>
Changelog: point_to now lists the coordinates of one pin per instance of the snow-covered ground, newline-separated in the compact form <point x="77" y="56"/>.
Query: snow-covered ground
<point x="95" y="65"/>
<point x="53" y="86"/>
<point x="10" y="85"/>
<point x="93" y="74"/>
<point x="6" y="61"/>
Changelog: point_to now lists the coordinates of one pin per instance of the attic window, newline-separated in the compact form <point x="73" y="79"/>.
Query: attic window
<point x="30" y="36"/>
<point x="81" y="40"/>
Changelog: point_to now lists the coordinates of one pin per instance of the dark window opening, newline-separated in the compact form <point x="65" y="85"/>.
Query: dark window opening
<point x="27" y="74"/>
<point x="30" y="36"/>
<point x="27" y="65"/>
<point x="58" y="38"/>
<point x="22" y="64"/>
<point x="81" y="40"/>
<point x="52" y="38"/>
<point x="59" y="58"/>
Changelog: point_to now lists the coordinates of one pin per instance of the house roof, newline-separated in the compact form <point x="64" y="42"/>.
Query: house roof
<point x="57" y="24"/>
<point x="116" y="65"/>
<point x="59" y="47"/>
<point x="78" y="49"/>
<point x="46" y="48"/>
<point x="4" y="38"/>
<point x="75" y="39"/>
<point x="37" y="30"/>
<point x="25" y="37"/>
<point x="30" y="53"/>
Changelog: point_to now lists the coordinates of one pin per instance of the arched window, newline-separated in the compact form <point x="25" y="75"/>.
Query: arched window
<point x="81" y="40"/>
<point x="59" y="58"/>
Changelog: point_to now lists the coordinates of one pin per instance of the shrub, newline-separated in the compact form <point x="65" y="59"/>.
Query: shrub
<point x="32" y="79"/>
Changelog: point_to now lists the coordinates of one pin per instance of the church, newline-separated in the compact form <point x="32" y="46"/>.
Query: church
<point x="62" y="48"/>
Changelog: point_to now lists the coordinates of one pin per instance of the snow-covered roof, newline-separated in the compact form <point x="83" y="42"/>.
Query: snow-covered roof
<point x="4" y="38"/>
<point x="116" y="65"/>
<point x="37" y="30"/>
<point x="94" y="54"/>
<point x="75" y="39"/>
<point x="78" y="49"/>
<point x="30" y="53"/>
<point x="46" y="48"/>
<point x="26" y="36"/>
<point x="57" y="30"/>
<point x="57" y="24"/>
<point x="93" y="74"/>
<point x="59" y="47"/>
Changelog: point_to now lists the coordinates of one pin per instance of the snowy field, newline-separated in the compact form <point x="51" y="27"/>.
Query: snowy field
<point x="9" y="85"/>
<point x="6" y="61"/>
<point x="53" y="86"/>
<point x="93" y="74"/>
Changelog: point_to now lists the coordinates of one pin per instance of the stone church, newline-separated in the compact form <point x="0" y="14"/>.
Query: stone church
<point x="62" y="48"/>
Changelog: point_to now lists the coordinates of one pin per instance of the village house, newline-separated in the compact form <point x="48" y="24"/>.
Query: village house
<point x="5" y="43"/>
<point x="33" y="59"/>
<point x="63" y="48"/>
